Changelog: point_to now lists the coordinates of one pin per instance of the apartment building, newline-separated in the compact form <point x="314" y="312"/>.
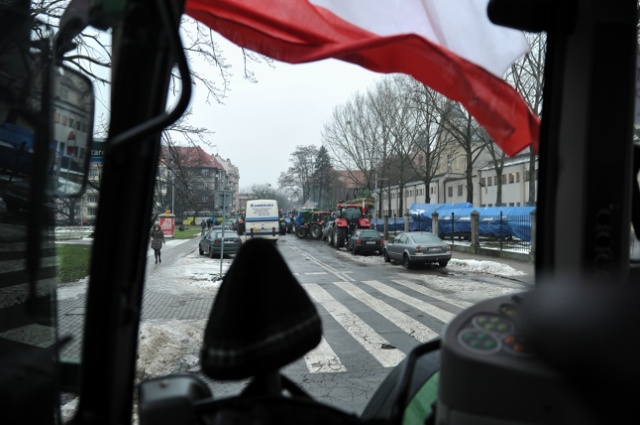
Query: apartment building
<point x="188" y="179"/>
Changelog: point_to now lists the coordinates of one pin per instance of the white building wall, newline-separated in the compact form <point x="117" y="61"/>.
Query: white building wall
<point x="452" y="188"/>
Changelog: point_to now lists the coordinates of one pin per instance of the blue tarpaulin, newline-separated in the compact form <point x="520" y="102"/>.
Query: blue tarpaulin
<point x="496" y="222"/>
<point x="395" y="224"/>
<point x="420" y="215"/>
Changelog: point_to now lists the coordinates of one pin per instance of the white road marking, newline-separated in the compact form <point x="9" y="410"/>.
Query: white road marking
<point x="429" y="309"/>
<point x="323" y="359"/>
<point x="408" y="324"/>
<point x="385" y="353"/>
<point x="431" y="293"/>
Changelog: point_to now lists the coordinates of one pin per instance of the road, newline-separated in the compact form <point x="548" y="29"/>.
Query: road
<point x="373" y="313"/>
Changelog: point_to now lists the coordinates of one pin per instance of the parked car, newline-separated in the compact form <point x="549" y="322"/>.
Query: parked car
<point x="414" y="248"/>
<point x="211" y="243"/>
<point x="365" y="241"/>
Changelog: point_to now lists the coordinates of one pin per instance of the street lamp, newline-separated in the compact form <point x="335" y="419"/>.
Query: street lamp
<point x="173" y="187"/>
<point x="224" y="207"/>
<point x="377" y="195"/>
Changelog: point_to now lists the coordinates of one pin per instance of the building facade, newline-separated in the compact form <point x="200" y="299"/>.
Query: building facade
<point x="187" y="181"/>
<point x="451" y="186"/>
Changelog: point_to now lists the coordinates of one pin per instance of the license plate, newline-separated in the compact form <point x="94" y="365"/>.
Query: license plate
<point x="371" y="242"/>
<point x="435" y="249"/>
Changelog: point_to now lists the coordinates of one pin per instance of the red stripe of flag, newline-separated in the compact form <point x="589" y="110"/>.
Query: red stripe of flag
<point x="297" y="31"/>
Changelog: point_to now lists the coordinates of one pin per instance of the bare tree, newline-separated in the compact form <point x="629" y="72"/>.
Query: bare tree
<point x="395" y="112"/>
<point x="301" y="173"/>
<point x="192" y="174"/>
<point x="497" y="158"/>
<point x="353" y="139"/>
<point x="527" y="76"/>
<point x="465" y="133"/>
<point x="430" y="146"/>
<point x="288" y="185"/>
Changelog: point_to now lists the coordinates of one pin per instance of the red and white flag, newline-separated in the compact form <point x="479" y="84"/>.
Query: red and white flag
<point x="448" y="45"/>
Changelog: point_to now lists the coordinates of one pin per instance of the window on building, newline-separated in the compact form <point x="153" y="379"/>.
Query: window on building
<point x="450" y="192"/>
<point x="483" y="182"/>
<point x="56" y="117"/>
<point x="64" y="120"/>
<point x="490" y="181"/>
<point x="511" y="204"/>
<point x="504" y="179"/>
<point x="92" y="199"/>
<point x="71" y="122"/>
<point x="517" y="204"/>
<point x="205" y="172"/>
<point x="518" y="177"/>
<point x="459" y="190"/>
<point x="92" y="211"/>
<point x="512" y="178"/>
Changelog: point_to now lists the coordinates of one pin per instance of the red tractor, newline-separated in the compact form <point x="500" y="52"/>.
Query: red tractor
<point x="349" y="217"/>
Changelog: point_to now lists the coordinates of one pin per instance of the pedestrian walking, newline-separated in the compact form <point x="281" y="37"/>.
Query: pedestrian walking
<point x="203" y="225"/>
<point x="157" y="241"/>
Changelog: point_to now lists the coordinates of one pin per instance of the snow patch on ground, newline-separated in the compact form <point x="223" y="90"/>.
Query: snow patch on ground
<point x="482" y="266"/>
<point x="167" y="346"/>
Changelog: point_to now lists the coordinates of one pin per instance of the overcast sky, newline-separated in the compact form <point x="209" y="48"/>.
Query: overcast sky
<point x="261" y="123"/>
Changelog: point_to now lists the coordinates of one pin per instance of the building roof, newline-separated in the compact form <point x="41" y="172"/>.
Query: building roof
<point x="193" y="156"/>
<point x="518" y="159"/>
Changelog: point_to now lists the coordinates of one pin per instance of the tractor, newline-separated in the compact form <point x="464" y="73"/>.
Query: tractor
<point x="310" y="222"/>
<point x="349" y="217"/>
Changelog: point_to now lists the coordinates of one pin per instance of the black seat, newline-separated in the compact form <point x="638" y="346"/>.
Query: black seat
<point x="261" y="320"/>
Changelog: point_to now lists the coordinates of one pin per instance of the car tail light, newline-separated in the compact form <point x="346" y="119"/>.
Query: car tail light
<point x="358" y="242"/>
<point x="448" y="247"/>
<point x="382" y="241"/>
<point x="216" y="242"/>
<point x="418" y="248"/>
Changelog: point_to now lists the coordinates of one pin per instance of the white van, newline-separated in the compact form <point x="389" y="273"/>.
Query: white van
<point x="262" y="219"/>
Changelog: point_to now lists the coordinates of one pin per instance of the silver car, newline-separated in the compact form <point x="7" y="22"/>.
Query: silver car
<point x="414" y="248"/>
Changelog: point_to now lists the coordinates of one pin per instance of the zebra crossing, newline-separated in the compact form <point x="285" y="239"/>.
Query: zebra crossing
<point x="385" y="300"/>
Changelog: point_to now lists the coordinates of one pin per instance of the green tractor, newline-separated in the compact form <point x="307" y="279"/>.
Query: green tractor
<point x="310" y="223"/>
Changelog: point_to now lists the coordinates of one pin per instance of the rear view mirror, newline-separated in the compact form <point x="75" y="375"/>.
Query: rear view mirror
<point x="73" y="108"/>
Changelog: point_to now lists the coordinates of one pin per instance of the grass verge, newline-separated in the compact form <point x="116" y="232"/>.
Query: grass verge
<point x="189" y="232"/>
<point x="72" y="261"/>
